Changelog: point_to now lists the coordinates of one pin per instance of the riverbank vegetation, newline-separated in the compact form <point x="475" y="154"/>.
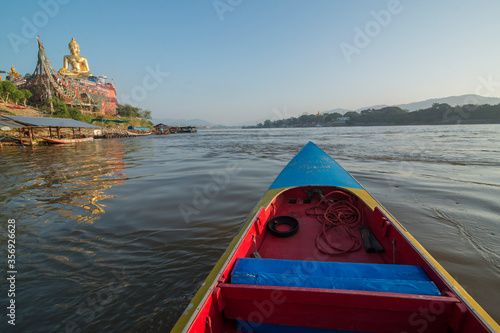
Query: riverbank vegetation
<point x="9" y="92"/>
<point x="129" y="111"/>
<point x="437" y="114"/>
<point x="61" y="110"/>
<point x="132" y="116"/>
<point x="137" y="117"/>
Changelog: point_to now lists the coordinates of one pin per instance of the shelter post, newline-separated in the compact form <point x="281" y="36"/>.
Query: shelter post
<point x="21" y="130"/>
<point x="30" y="132"/>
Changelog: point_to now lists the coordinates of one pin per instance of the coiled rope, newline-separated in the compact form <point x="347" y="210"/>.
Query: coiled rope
<point x="337" y="212"/>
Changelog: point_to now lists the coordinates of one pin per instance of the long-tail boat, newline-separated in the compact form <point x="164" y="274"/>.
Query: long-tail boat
<point x="67" y="140"/>
<point x="28" y="142"/>
<point x="319" y="254"/>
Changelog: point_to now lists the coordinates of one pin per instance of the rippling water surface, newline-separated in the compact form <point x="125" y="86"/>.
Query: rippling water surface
<point x="117" y="235"/>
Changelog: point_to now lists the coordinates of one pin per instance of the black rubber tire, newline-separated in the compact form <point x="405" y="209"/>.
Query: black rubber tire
<point x="292" y="222"/>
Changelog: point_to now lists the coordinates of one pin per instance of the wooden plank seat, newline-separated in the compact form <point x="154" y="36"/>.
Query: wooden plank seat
<point x="306" y="302"/>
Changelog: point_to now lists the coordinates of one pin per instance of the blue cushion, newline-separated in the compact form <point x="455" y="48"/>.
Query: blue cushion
<point x="404" y="279"/>
<point x="251" y="327"/>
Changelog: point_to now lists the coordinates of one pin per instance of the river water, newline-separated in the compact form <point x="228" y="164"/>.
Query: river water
<point x="117" y="235"/>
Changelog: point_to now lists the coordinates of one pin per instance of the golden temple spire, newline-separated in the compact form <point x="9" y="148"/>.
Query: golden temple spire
<point x="13" y="73"/>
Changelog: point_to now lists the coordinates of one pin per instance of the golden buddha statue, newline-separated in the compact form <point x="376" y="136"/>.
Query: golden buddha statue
<point x="13" y="74"/>
<point x="79" y="65"/>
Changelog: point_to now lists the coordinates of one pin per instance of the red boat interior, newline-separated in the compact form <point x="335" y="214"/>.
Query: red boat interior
<point x="273" y="283"/>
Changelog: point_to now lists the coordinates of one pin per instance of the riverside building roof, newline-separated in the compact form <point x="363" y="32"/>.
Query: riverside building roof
<point x="50" y="122"/>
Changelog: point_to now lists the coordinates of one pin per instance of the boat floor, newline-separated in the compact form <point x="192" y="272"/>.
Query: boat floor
<point x="302" y="245"/>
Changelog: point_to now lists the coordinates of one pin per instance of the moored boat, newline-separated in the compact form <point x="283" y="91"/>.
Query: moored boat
<point x="28" y="142"/>
<point x="130" y="133"/>
<point x="67" y="140"/>
<point x="138" y="131"/>
<point x="319" y="254"/>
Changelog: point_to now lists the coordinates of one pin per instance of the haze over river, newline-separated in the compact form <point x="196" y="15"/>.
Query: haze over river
<point x="117" y="235"/>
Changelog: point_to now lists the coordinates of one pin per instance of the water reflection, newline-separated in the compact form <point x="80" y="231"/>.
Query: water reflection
<point x="67" y="180"/>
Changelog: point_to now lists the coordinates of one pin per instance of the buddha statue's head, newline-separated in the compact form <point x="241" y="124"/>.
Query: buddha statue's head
<point x="73" y="47"/>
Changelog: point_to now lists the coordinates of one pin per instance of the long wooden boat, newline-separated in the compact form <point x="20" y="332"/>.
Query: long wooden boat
<point x="28" y="142"/>
<point x="133" y="133"/>
<point x="68" y="140"/>
<point x="319" y="254"/>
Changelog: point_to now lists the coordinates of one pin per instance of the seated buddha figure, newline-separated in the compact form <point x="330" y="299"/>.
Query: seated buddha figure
<point x="74" y="64"/>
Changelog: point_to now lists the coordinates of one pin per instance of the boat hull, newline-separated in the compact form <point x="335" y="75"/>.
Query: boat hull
<point x="68" y="141"/>
<point x="130" y="133"/>
<point x="284" y="301"/>
<point x="28" y="142"/>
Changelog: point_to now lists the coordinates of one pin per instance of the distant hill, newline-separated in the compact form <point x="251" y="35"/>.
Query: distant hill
<point x="183" y="122"/>
<point x="338" y="110"/>
<point x="379" y="106"/>
<point x="451" y="100"/>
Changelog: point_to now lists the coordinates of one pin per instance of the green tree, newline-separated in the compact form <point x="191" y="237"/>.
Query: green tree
<point x="307" y="119"/>
<point x="320" y="118"/>
<point x="392" y="110"/>
<point x="7" y="88"/>
<point x="279" y="123"/>
<point x="145" y="114"/>
<point x="128" y="111"/>
<point x="332" y="117"/>
<point x="17" y="95"/>
<point x="351" y="114"/>
<point x="75" y="114"/>
<point x="60" y="109"/>
<point x="26" y="95"/>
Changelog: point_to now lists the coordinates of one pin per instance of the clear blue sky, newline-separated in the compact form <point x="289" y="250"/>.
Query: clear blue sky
<point x="230" y="61"/>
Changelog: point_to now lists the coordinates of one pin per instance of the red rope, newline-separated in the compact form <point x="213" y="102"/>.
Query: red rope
<point x="340" y="214"/>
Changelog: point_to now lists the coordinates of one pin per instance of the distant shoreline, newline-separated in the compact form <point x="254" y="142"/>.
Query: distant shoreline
<point x="437" y="114"/>
<point x="379" y="125"/>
